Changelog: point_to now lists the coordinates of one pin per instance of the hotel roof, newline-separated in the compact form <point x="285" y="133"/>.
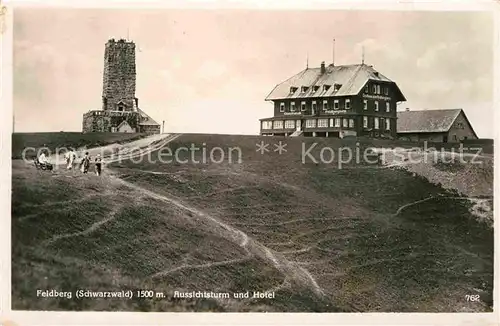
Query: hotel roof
<point x="350" y="78"/>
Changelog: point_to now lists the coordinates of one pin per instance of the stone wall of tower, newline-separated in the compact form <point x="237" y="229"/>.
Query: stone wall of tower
<point x="104" y="121"/>
<point x="119" y="76"/>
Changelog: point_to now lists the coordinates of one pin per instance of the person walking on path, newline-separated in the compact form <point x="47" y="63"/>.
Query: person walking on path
<point x="70" y="158"/>
<point x="98" y="164"/>
<point x="85" y="163"/>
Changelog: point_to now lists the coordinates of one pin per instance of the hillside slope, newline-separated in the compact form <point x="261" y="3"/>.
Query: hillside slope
<point x="359" y="238"/>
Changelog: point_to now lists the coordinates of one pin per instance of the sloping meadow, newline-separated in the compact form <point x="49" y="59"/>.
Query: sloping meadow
<point x="372" y="238"/>
<point x="320" y="231"/>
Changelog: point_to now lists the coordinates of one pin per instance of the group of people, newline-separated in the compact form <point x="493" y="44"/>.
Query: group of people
<point x="85" y="163"/>
<point x="70" y="158"/>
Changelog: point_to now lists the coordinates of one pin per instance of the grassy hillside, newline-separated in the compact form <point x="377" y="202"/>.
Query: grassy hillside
<point x="53" y="140"/>
<point x="357" y="238"/>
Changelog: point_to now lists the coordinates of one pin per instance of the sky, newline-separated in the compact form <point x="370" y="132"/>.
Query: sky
<point x="209" y="71"/>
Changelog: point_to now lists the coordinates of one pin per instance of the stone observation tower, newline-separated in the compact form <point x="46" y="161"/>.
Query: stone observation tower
<point x="118" y="87"/>
<point x="120" y="110"/>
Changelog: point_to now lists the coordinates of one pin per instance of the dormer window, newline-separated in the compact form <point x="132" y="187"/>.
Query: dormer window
<point x="293" y="90"/>
<point x="120" y="106"/>
<point x="315" y="89"/>
<point x="304" y="89"/>
<point x="326" y="87"/>
<point x="336" y="87"/>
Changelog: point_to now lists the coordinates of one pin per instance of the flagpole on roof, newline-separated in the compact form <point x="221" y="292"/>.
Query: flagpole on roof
<point x="333" y="53"/>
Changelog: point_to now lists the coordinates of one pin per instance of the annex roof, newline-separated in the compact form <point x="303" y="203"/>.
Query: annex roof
<point x="124" y="122"/>
<point x="351" y="78"/>
<point x="146" y="120"/>
<point x="426" y="120"/>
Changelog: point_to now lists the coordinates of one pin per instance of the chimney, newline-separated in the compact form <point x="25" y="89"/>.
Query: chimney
<point x="407" y="109"/>
<point x="323" y="70"/>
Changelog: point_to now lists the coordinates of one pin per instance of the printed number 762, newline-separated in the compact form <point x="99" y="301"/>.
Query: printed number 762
<point x="472" y="298"/>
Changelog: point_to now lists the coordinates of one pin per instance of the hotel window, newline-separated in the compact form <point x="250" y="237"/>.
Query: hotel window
<point x="314" y="107"/>
<point x="376" y="125"/>
<point x="387" y="124"/>
<point x="387" y="107"/>
<point x="289" y="124"/>
<point x="304" y="89"/>
<point x="331" y="122"/>
<point x="366" y="89"/>
<point x="325" y="105"/>
<point x="351" y="123"/>
<point x="278" y="124"/>
<point x="292" y="107"/>
<point x="378" y="89"/>
<point x="365" y="105"/>
<point x="315" y="89"/>
<point x="282" y="107"/>
<point x="365" y="122"/>
<point x="322" y="123"/>
<point x="311" y="123"/>
<point x="293" y="90"/>
<point x="386" y="90"/>
<point x="302" y="106"/>
<point x="326" y="87"/>
<point x="376" y="105"/>
<point x="345" y="123"/>
<point x="374" y="89"/>
<point x="337" y="122"/>
<point x="336" y="104"/>
<point x="267" y="125"/>
<point x="347" y="104"/>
